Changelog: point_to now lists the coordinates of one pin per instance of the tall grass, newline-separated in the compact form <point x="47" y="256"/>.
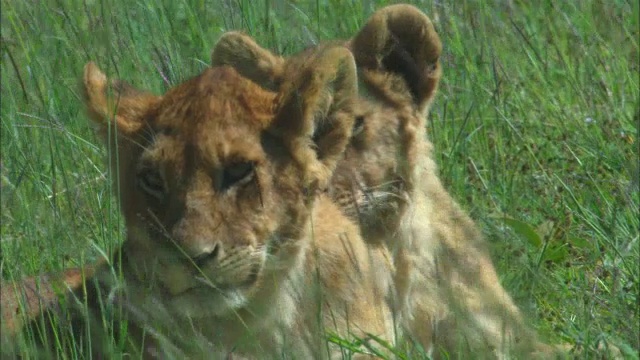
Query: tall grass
<point x="535" y="128"/>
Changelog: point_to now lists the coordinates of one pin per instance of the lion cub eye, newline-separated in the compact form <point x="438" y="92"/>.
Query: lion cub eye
<point x="237" y="174"/>
<point x="358" y="126"/>
<point x="151" y="182"/>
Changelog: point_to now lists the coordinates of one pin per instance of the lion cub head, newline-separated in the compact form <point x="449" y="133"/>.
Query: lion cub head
<point x="397" y="54"/>
<point x="217" y="177"/>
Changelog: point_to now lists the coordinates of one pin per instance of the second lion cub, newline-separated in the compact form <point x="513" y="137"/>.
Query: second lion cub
<point x="448" y="296"/>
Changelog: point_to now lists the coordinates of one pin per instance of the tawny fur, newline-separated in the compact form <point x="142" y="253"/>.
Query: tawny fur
<point x="448" y="297"/>
<point x="231" y="248"/>
<point x="27" y="298"/>
<point x="447" y="293"/>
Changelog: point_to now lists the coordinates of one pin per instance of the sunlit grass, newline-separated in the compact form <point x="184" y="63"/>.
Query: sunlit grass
<point x="537" y="121"/>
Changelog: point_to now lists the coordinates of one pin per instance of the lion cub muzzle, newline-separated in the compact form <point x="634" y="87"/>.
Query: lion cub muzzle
<point x="213" y="268"/>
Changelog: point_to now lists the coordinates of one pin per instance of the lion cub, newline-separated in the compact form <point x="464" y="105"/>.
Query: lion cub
<point x="231" y="248"/>
<point x="448" y="297"/>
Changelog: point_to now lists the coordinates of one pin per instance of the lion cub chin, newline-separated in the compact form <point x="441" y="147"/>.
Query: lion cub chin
<point x="231" y="248"/>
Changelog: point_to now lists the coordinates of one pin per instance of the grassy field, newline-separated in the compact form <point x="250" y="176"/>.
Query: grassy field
<point x="535" y="126"/>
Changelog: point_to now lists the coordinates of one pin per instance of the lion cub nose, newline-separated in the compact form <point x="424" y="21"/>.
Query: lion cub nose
<point x="207" y="255"/>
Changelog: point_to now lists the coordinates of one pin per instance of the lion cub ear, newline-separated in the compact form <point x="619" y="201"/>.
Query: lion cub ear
<point x="400" y="39"/>
<point x="252" y="61"/>
<point x="115" y="101"/>
<point x="315" y="113"/>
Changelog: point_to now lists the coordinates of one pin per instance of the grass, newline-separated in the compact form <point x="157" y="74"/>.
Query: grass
<point x="535" y="126"/>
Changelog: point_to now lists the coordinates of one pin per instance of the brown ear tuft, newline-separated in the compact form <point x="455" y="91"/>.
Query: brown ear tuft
<point x="241" y="52"/>
<point x="315" y="113"/>
<point x="116" y="101"/>
<point x="401" y="39"/>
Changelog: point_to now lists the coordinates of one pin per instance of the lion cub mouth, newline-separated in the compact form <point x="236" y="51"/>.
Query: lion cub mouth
<point x="211" y="289"/>
<point x="229" y="272"/>
<point x="364" y="203"/>
<point x="220" y="283"/>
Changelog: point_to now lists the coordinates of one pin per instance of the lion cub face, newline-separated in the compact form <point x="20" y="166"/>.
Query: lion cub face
<point x="202" y="194"/>
<point x="217" y="177"/>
